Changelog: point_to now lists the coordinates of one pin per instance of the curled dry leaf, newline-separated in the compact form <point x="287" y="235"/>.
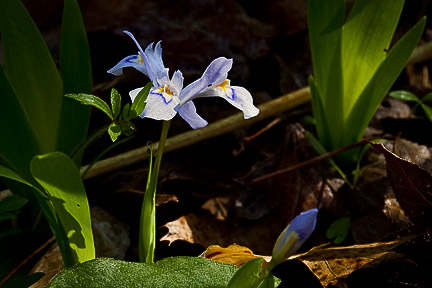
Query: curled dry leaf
<point x="332" y="265"/>
<point x="411" y="185"/>
<point x="233" y="254"/>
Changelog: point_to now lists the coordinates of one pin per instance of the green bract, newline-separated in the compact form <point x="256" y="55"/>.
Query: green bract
<point x="353" y="66"/>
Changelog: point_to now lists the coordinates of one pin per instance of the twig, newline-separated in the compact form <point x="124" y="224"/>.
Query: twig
<point x="310" y="161"/>
<point x="191" y="137"/>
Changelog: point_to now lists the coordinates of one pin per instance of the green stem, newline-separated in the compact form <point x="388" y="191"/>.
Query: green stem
<point x="147" y="231"/>
<point x="79" y="151"/>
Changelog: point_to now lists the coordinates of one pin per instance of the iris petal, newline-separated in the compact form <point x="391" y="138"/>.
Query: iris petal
<point x="129" y="61"/>
<point x="215" y="74"/>
<point x="237" y="96"/>
<point x="189" y="114"/>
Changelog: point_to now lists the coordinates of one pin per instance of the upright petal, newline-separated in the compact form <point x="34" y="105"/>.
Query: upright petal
<point x="153" y="60"/>
<point x="134" y="61"/>
<point x="189" y="114"/>
<point x="215" y="74"/>
<point x="239" y="97"/>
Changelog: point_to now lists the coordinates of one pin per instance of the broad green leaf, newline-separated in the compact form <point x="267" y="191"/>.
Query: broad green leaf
<point x="139" y="104"/>
<point x="247" y="275"/>
<point x="16" y="149"/>
<point x="115" y="102"/>
<point x="31" y="72"/>
<point x="169" y="272"/>
<point x="381" y="83"/>
<point x="61" y="179"/>
<point x="325" y="20"/>
<point x="10" y="174"/>
<point x="88" y="99"/>
<point x="338" y="230"/>
<point x="75" y="69"/>
<point x="404" y="96"/>
<point x="427" y="97"/>
<point x="268" y="282"/>
<point x="367" y="34"/>
<point x="428" y="111"/>
<point x="114" y="130"/>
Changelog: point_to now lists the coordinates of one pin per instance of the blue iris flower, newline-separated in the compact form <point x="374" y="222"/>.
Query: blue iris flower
<point x="294" y="235"/>
<point x="167" y="97"/>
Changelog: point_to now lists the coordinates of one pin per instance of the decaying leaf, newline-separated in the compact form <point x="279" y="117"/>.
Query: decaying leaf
<point x="333" y="264"/>
<point x="411" y="185"/>
<point x="233" y="254"/>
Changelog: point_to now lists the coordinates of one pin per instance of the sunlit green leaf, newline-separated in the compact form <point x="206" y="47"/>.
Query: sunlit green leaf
<point x="88" y="99"/>
<point x="404" y="96"/>
<point x="247" y="275"/>
<point x="114" y="130"/>
<point x="115" y="102"/>
<point x="61" y="179"/>
<point x="381" y="83"/>
<point x="138" y="104"/>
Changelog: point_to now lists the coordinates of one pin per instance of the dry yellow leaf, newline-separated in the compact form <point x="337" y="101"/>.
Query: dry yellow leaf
<point x="233" y="254"/>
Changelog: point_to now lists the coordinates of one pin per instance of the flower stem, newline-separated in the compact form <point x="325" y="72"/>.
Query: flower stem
<point x="147" y="231"/>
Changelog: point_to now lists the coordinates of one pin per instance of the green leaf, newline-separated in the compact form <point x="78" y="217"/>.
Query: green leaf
<point x="125" y="112"/>
<point x="115" y="102"/>
<point x="248" y="274"/>
<point x="61" y="179"/>
<point x="381" y="83"/>
<point x="139" y="104"/>
<point x="325" y="20"/>
<point x="114" y="130"/>
<point x="10" y="174"/>
<point x="128" y="128"/>
<point x="169" y="272"/>
<point x="427" y="97"/>
<point x="31" y="72"/>
<point x="367" y="34"/>
<point x="338" y="230"/>
<point x="77" y="78"/>
<point x="12" y="203"/>
<point x="88" y="99"/>
<point x="16" y="149"/>
<point x="404" y="96"/>
<point x="427" y="110"/>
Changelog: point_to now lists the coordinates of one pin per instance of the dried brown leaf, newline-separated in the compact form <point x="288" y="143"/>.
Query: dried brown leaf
<point x="411" y="185"/>
<point x="330" y="265"/>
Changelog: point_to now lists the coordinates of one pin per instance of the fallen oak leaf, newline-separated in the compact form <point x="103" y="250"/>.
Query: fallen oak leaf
<point x="332" y="265"/>
<point x="411" y="184"/>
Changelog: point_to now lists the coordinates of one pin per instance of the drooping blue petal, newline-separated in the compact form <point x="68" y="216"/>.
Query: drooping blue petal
<point x="189" y="114"/>
<point x="297" y="232"/>
<point x="215" y="74"/>
<point x="159" y="105"/>
<point x="237" y="96"/>
<point x="153" y="61"/>
<point x="134" y="61"/>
